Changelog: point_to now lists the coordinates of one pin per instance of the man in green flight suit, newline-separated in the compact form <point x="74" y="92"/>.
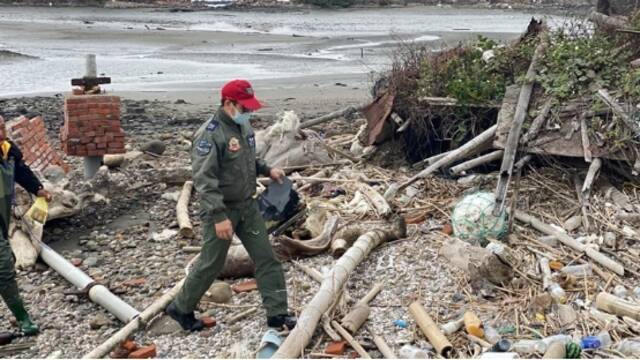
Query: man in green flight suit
<point x="224" y="168"/>
<point x="12" y="170"/>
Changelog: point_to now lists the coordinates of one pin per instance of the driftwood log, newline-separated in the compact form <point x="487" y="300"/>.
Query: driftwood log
<point x="294" y="345"/>
<point x="608" y="22"/>
<point x="348" y="111"/>
<point x="314" y="246"/>
<point x="348" y="234"/>
<point x="537" y="123"/>
<point x="182" y="210"/>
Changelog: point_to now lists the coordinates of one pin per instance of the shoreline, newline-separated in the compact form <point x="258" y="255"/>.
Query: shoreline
<point x="549" y="9"/>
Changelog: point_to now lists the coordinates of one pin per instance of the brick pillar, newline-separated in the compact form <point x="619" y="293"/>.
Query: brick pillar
<point x="31" y="137"/>
<point x="92" y="126"/>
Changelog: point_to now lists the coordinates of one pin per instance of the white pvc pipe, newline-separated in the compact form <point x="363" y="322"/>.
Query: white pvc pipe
<point x="98" y="293"/>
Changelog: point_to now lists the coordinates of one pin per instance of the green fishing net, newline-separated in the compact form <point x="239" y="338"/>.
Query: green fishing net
<point x="472" y="219"/>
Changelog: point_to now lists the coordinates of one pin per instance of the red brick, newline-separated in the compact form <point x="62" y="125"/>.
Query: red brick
<point x="119" y="353"/>
<point x="145" y="352"/>
<point x="336" y="348"/>
<point x="208" y="321"/>
<point x="135" y="282"/>
<point x="129" y="345"/>
<point x="245" y="286"/>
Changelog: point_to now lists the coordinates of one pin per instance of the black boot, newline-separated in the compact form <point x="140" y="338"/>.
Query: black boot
<point x="281" y="321"/>
<point x="187" y="321"/>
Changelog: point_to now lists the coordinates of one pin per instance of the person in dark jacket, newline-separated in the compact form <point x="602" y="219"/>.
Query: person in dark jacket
<point x="13" y="170"/>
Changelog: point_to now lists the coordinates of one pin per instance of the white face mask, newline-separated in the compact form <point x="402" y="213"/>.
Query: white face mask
<point x="241" y="118"/>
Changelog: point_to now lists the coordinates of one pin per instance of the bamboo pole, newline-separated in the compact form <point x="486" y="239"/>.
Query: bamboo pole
<point x="293" y="346"/>
<point x="349" y="339"/>
<point x="474" y="146"/>
<point x="382" y="345"/>
<point x="617" y="306"/>
<point x="570" y="242"/>
<point x="430" y="329"/>
<point x="134" y="325"/>
<point x="480" y="160"/>
<point x="511" y="146"/>
<point x="182" y="210"/>
<point x="360" y="311"/>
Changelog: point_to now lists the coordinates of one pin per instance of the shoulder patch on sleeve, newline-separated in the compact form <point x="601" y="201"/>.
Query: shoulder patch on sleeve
<point x="213" y="125"/>
<point x="203" y="147"/>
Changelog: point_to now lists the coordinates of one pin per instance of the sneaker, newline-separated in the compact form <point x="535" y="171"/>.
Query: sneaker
<point x="187" y="321"/>
<point x="281" y="321"/>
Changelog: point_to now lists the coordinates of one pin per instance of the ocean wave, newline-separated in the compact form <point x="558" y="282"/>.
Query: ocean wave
<point x="222" y="26"/>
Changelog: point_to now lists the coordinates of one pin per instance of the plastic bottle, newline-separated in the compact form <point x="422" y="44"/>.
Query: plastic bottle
<point x="473" y="325"/>
<point x="564" y="339"/>
<point x="557" y="293"/>
<point x="491" y="334"/>
<point x="452" y="326"/>
<point x="413" y="352"/>
<point x="628" y="347"/>
<point x="502" y="346"/>
<point x="577" y="270"/>
<point x="529" y="347"/>
<point x="600" y="341"/>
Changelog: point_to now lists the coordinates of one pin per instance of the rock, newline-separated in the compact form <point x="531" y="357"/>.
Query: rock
<point x="156" y="147"/>
<point x="113" y="160"/>
<point x="99" y="321"/>
<point x="219" y="292"/>
<point x="610" y="239"/>
<point x="91" y="261"/>
<point x="54" y="173"/>
<point x="573" y="223"/>
<point x="171" y="196"/>
<point x="164" y="235"/>
<point x="180" y="101"/>
<point x="164" y="326"/>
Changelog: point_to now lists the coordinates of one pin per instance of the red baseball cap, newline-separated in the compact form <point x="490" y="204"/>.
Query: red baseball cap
<point x="241" y="92"/>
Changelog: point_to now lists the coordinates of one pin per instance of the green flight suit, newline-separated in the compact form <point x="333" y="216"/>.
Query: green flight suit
<point x="224" y="174"/>
<point x="12" y="170"/>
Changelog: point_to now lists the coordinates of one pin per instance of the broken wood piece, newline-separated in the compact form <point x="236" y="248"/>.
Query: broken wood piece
<point x="25" y="253"/>
<point x="134" y="325"/>
<point x="349" y="339"/>
<point x="430" y="160"/>
<point x="474" y="146"/>
<point x="430" y="330"/>
<point x="617" y="306"/>
<point x="382" y="345"/>
<point x="620" y="112"/>
<point x="537" y="123"/>
<point x="584" y="136"/>
<point x="360" y="311"/>
<point x="513" y="139"/>
<point x="612" y="193"/>
<point x="339" y="152"/>
<point x="234" y="319"/>
<point x="182" y="210"/>
<point x="314" y="246"/>
<point x="377" y="201"/>
<point x="479" y="263"/>
<point x="293" y="346"/>
<point x="478" y="341"/>
<point x="570" y="242"/>
<point x="347" y="111"/>
<point x="480" y="160"/>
